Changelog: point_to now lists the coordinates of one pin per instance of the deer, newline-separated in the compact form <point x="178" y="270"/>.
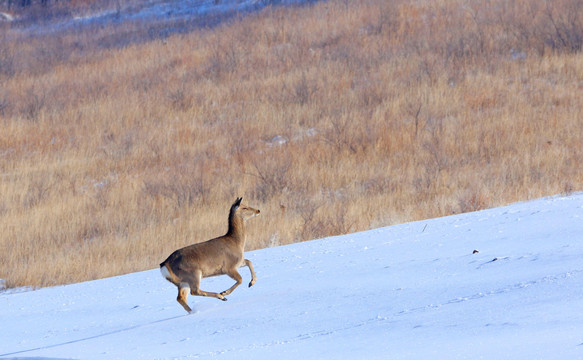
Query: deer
<point x="186" y="267"/>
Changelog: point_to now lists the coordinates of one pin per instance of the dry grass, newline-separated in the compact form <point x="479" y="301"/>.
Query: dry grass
<point x="331" y="118"/>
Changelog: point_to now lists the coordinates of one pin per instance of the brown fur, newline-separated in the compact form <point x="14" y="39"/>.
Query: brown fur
<point x="219" y="256"/>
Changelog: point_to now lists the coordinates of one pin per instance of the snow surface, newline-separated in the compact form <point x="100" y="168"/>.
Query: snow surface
<point x="411" y="291"/>
<point x="157" y="12"/>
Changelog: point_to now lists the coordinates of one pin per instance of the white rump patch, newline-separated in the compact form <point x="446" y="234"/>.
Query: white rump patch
<point x="165" y="273"/>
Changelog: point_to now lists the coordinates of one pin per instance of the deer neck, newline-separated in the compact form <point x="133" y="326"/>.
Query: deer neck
<point x="237" y="228"/>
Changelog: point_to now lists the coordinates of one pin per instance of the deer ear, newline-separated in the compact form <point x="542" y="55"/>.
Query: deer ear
<point x="237" y="202"/>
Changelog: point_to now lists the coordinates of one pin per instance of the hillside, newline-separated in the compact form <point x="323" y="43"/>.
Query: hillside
<point x="122" y="140"/>
<point x="410" y="291"/>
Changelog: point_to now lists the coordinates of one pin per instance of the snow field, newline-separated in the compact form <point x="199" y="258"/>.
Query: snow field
<point x="414" y="290"/>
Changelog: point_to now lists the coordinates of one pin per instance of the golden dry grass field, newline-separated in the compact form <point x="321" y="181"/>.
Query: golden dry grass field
<point x="331" y="117"/>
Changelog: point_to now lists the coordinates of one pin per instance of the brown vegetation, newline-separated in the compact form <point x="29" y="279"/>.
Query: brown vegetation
<point x="334" y="117"/>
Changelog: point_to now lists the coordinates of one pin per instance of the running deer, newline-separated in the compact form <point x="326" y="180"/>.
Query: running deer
<point x="219" y="256"/>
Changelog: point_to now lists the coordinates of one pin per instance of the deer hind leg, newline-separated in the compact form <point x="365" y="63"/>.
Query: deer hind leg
<point x="182" y="295"/>
<point x="249" y="264"/>
<point x="195" y="287"/>
<point x="233" y="274"/>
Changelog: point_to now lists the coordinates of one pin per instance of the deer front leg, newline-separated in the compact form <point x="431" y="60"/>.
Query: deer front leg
<point x="249" y="264"/>
<point x="233" y="274"/>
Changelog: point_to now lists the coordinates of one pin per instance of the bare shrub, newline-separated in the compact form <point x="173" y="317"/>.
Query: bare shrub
<point x="38" y="190"/>
<point x="34" y="103"/>
<point x="4" y="105"/>
<point x="473" y="201"/>
<point x="7" y="59"/>
<point x="343" y="133"/>
<point x="179" y="99"/>
<point x="273" y="178"/>
<point x="306" y="208"/>
<point x="565" y="25"/>
<point x="304" y="90"/>
<point x="187" y="186"/>
<point x="224" y="59"/>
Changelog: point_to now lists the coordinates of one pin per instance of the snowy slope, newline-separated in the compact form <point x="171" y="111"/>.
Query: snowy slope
<point x="412" y="291"/>
<point x="152" y="12"/>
